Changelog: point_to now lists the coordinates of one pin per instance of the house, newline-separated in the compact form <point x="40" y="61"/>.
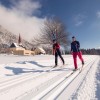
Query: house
<point x="39" y="50"/>
<point x="20" y="50"/>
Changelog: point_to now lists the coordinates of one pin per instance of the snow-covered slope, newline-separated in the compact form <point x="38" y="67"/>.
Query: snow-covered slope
<point x="32" y="78"/>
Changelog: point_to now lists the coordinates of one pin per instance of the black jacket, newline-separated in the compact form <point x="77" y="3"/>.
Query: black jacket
<point x="75" y="46"/>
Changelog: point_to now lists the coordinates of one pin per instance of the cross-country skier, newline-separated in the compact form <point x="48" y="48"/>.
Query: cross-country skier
<point x="75" y="50"/>
<point x="57" y="52"/>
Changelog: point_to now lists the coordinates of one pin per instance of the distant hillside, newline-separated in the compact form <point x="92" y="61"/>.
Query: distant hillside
<point x="7" y="38"/>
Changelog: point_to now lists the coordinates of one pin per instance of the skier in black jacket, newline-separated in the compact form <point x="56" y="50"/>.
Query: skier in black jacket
<point x="75" y="50"/>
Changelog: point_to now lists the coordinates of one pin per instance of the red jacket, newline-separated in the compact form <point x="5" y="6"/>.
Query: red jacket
<point x="55" y="47"/>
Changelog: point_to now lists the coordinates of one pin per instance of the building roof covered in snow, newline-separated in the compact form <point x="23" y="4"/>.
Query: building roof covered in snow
<point x="41" y="49"/>
<point x="14" y="45"/>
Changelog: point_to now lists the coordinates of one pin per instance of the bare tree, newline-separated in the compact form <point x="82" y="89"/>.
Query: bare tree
<point x="52" y="27"/>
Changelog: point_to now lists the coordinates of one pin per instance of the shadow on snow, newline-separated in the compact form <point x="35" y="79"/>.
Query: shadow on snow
<point x="18" y="71"/>
<point x="32" y="62"/>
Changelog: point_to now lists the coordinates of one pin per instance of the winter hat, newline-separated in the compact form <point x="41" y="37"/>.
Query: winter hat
<point x="73" y="37"/>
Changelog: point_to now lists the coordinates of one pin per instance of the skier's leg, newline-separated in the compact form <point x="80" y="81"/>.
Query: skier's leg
<point x="59" y="53"/>
<point x="56" y="59"/>
<point x="75" y="59"/>
<point x="80" y="57"/>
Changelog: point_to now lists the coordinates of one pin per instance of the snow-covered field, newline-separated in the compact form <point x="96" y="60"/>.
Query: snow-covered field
<point x="33" y="78"/>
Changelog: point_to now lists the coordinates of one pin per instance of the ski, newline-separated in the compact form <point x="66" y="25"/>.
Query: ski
<point x="61" y="66"/>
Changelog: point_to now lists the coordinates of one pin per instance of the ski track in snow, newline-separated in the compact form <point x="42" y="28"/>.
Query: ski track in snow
<point x="86" y="90"/>
<point x="98" y="81"/>
<point x="33" y="79"/>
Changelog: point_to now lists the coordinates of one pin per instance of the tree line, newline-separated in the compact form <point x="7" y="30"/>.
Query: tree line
<point x="91" y="51"/>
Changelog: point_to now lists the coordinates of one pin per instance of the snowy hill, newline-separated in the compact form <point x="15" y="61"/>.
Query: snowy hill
<point x="32" y="78"/>
<point x="7" y="38"/>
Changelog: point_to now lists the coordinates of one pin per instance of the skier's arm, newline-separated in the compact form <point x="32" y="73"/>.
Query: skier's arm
<point x="71" y="49"/>
<point x="78" y="44"/>
<point x="53" y="50"/>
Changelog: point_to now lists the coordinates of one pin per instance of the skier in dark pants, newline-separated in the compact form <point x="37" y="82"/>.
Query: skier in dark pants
<point x="57" y="52"/>
<point x="75" y="50"/>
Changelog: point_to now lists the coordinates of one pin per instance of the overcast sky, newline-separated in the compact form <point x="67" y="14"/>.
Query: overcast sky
<point x="81" y="17"/>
